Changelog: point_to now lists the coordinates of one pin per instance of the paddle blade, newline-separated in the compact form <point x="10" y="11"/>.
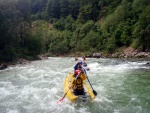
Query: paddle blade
<point x="95" y="93"/>
<point x="61" y="100"/>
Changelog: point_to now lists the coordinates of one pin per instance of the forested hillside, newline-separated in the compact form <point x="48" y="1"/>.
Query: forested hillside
<point x="32" y="27"/>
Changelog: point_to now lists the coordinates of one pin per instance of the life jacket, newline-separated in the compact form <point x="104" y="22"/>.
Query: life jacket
<point x="78" y="84"/>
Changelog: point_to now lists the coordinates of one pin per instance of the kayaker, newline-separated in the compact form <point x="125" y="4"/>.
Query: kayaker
<point x="78" y="66"/>
<point x="81" y="65"/>
<point x="77" y="82"/>
<point x="85" y="64"/>
<point x="84" y="58"/>
<point x="84" y="61"/>
<point x="76" y="58"/>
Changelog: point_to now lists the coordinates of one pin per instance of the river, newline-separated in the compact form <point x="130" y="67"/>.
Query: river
<point x="123" y="86"/>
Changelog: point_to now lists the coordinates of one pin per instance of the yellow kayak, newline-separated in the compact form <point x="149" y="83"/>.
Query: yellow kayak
<point x="69" y="92"/>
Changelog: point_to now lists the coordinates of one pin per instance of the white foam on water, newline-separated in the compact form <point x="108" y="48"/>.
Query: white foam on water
<point x="4" y="92"/>
<point x="23" y="77"/>
<point x="12" y="111"/>
<point x="37" y="87"/>
<point x="116" y="111"/>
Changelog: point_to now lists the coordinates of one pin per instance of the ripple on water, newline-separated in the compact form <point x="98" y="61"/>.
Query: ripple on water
<point x="122" y="87"/>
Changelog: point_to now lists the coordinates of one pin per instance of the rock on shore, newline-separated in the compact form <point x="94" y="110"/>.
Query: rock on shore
<point x="127" y="53"/>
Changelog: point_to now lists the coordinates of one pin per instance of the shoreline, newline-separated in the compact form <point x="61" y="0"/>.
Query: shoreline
<point x="128" y="54"/>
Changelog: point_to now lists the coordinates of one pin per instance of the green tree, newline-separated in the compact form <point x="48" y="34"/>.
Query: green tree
<point x="60" y="43"/>
<point x="64" y="8"/>
<point x="53" y="9"/>
<point x="91" y="41"/>
<point x="8" y="35"/>
<point x="74" y="8"/>
<point x="60" y="24"/>
<point x="70" y="24"/>
<point x="142" y="29"/>
<point x="38" y="8"/>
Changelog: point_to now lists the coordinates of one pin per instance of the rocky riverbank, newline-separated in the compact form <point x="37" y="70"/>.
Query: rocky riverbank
<point x="127" y="53"/>
<point x="4" y="65"/>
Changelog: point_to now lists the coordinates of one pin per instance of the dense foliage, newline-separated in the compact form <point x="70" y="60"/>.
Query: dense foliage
<point x="32" y="27"/>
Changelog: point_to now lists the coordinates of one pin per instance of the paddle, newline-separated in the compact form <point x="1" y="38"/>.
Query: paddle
<point x="95" y="93"/>
<point x="63" y="97"/>
<point x="67" y="91"/>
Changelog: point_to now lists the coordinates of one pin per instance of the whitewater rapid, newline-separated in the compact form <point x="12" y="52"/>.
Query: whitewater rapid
<point x="122" y="86"/>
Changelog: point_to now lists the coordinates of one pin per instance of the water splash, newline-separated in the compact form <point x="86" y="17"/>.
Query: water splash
<point x="122" y="87"/>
